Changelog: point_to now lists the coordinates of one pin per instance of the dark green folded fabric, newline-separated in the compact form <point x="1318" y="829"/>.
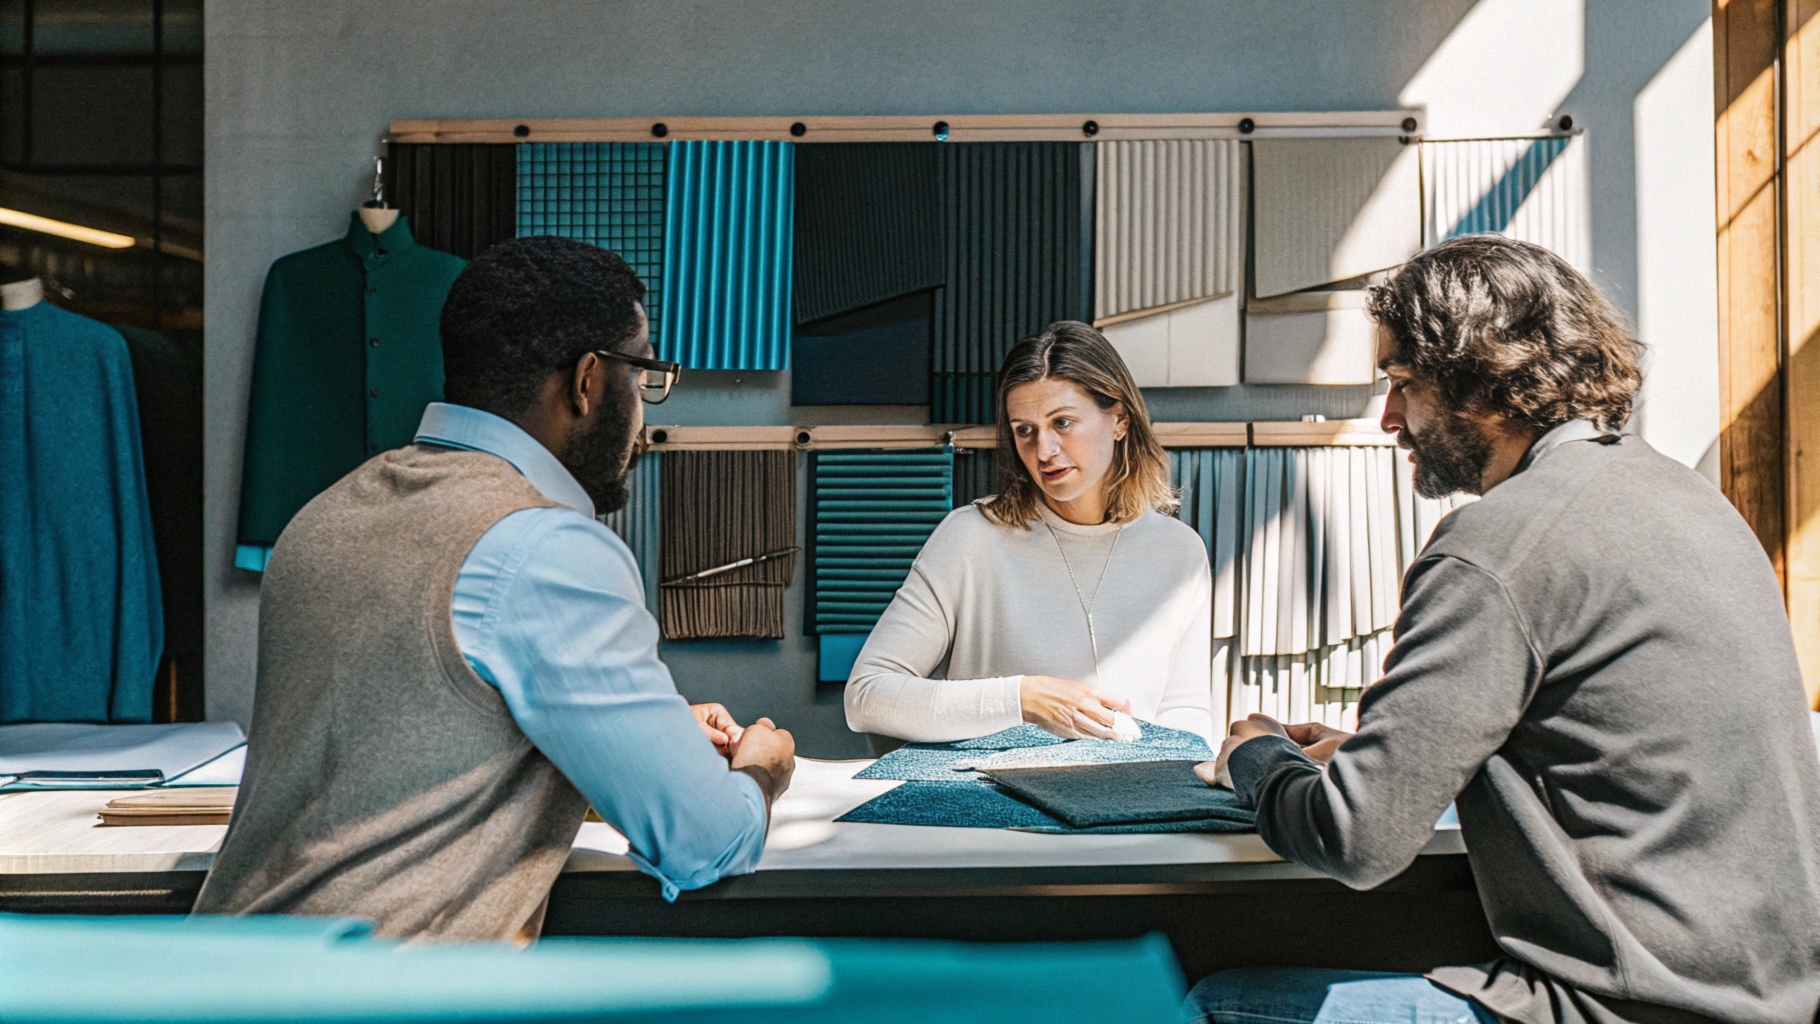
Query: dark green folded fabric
<point x="1129" y="793"/>
<point x="975" y="804"/>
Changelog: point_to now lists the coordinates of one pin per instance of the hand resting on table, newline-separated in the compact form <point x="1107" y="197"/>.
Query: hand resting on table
<point x="1070" y="708"/>
<point x="1316" y="740"/>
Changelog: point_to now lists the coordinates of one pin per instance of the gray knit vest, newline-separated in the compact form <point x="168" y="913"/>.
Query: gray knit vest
<point x="384" y="779"/>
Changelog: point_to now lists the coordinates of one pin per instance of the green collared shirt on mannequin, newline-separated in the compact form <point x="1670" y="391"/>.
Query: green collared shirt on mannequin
<point x="348" y="355"/>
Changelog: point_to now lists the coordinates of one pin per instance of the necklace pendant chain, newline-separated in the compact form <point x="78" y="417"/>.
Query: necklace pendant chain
<point x="1086" y="609"/>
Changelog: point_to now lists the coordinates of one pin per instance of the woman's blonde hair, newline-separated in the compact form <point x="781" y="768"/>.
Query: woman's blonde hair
<point x="1072" y="351"/>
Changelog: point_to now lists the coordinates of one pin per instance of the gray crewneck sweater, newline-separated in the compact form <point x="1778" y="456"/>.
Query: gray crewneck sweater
<point x="1594" y="661"/>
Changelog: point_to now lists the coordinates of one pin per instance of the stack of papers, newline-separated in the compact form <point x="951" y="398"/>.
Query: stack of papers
<point x="70" y="756"/>
<point x="199" y="806"/>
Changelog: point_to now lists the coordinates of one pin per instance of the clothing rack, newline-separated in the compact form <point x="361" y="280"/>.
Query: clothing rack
<point x="1273" y="434"/>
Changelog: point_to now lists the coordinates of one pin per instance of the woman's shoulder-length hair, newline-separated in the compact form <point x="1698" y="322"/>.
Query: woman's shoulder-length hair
<point x="1069" y="350"/>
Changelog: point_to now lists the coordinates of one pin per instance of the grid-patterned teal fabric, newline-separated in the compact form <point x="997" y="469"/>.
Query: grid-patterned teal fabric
<point x="609" y="194"/>
<point x="870" y="513"/>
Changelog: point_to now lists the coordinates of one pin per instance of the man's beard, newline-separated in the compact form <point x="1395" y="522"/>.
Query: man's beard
<point x="597" y="459"/>
<point x="1451" y="455"/>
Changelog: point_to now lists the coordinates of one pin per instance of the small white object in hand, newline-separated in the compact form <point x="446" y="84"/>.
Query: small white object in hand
<point x="1125" y="728"/>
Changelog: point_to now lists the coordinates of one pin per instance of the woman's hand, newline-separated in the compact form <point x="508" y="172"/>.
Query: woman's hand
<point x="1070" y="708"/>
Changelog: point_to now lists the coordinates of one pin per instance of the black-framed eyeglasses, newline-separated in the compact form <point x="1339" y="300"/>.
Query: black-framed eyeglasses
<point x="655" y="376"/>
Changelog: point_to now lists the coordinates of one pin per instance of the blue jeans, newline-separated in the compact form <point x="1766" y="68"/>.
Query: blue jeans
<point x="1292" y="995"/>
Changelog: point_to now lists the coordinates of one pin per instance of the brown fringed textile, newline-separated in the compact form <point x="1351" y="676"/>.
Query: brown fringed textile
<point x="720" y="507"/>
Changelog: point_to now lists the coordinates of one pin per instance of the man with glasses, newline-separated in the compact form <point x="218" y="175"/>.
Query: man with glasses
<point x="455" y="656"/>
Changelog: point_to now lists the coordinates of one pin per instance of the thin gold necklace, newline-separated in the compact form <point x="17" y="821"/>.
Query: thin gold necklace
<point x="1086" y="609"/>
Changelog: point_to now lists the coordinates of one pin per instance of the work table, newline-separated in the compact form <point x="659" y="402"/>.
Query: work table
<point x="1223" y="899"/>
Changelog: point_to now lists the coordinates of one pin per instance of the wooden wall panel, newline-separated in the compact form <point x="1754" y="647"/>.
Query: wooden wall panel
<point x="1801" y="364"/>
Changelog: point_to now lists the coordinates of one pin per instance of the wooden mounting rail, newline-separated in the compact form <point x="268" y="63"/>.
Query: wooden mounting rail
<point x="917" y="128"/>
<point x="1172" y="435"/>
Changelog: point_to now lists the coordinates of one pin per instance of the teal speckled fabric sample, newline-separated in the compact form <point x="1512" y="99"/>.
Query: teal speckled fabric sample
<point x="1029" y="746"/>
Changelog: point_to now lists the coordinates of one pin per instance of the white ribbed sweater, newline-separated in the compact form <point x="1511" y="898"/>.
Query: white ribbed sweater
<point x="985" y="605"/>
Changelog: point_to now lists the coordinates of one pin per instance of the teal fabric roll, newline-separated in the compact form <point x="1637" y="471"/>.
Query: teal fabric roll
<point x="983" y="805"/>
<point x="268" y="969"/>
<point x="81" y="615"/>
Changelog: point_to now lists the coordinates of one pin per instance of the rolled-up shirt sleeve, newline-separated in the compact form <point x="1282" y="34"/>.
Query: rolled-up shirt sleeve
<point x="553" y="615"/>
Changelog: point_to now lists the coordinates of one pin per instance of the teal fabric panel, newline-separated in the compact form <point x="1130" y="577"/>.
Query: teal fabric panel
<point x="253" y="970"/>
<point x="1093" y="795"/>
<point x="727" y="255"/>
<point x="609" y="194"/>
<point x="838" y="653"/>
<point x="878" y="355"/>
<point x="1017" y="222"/>
<point x="870" y="512"/>
<point x="81" y="612"/>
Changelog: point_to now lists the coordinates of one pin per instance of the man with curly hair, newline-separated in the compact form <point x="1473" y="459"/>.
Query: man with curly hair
<point x="1592" y="662"/>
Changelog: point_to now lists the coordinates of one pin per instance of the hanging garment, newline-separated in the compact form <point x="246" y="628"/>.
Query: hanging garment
<point x="81" y="618"/>
<point x="461" y="197"/>
<point x="720" y="507"/>
<point x="1018" y="232"/>
<point x="609" y="194"/>
<point x="727" y="229"/>
<point x="167" y="381"/>
<point x="348" y="356"/>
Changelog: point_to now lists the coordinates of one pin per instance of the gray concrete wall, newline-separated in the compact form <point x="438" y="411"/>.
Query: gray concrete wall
<point x="298" y="95"/>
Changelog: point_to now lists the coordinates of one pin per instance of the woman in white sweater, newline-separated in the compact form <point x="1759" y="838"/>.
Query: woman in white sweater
<point x="1070" y="595"/>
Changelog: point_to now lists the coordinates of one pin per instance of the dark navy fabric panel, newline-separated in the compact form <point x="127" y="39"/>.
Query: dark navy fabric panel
<point x="868" y="225"/>
<point x="975" y="475"/>
<point x="878" y="355"/>
<point x="1018" y="233"/>
<point x="1089" y="795"/>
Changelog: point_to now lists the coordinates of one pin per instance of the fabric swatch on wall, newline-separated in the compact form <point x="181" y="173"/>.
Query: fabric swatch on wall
<point x="1310" y="338"/>
<point x="870" y="512"/>
<point x="1212" y="485"/>
<point x="1322" y="580"/>
<point x="835" y="655"/>
<point x="1533" y="190"/>
<point x="609" y="194"/>
<point x="1085" y="796"/>
<point x="1185" y="346"/>
<point x="639" y="522"/>
<point x="878" y="355"/>
<point x="460" y="198"/>
<point x="1328" y="210"/>
<point x="1018" y="238"/>
<point x="719" y="507"/>
<point x="868" y="226"/>
<point x="1168" y="223"/>
<point x="728" y="226"/>
<point x="975" y="474"/>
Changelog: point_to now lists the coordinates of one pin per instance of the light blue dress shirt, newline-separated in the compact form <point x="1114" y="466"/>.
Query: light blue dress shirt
<point x="549" y="608"/>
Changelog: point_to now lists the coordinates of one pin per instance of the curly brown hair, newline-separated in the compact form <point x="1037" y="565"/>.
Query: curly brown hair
<point x="1073" y="351"/>
<point x="1498" y="325"/>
